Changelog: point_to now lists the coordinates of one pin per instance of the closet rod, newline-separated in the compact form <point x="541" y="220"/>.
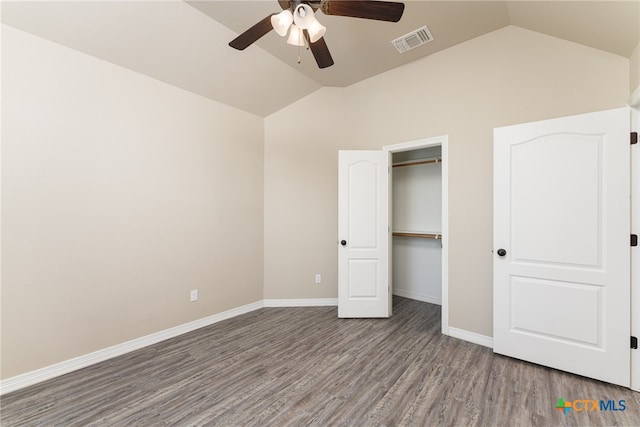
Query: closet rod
<point x="420" y="235"/>
<point x="418" y="162"/>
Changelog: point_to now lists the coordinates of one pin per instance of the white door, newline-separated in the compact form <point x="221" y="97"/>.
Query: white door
<point x="561" y="288"/>
<point x="363" y="234"/>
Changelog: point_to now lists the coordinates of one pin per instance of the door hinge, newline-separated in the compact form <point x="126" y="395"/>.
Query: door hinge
<point x="634" y="240"/>
<point x="634" y="138"/>
<point x="634" y="343"/>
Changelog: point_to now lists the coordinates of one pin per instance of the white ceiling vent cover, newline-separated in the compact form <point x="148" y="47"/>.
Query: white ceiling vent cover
<point x="413" y="39"/>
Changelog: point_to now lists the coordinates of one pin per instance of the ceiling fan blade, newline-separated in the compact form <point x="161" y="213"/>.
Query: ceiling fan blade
<point x="252" y="35"/>
<point x="367" y="9"/>
<point x="320" y="51"/>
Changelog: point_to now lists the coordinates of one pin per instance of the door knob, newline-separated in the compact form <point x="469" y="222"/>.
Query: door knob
<point x="343" y="242"/>
<point x="502" y="252"/>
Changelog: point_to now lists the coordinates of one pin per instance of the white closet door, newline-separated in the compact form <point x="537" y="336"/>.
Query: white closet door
<point x="561" y="239"/>
<point x="363" y="233"/>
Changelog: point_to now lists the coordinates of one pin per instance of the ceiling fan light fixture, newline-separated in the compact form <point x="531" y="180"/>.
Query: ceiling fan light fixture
<point x="307" y="31"/>
<point x="281" y="22"/>
<point x="295" y="36"/>
<point x="303" y="16"/>
<point x="316" y="31"/>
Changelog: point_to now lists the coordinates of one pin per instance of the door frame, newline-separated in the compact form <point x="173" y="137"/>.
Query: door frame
<point x="443" y="142"/>
<point x="634" y="103"/>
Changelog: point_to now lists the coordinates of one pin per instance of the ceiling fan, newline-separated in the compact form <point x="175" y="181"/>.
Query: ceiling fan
<point x="298" y="19"/>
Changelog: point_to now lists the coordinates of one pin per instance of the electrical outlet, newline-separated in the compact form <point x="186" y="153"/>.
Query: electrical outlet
<point x="318" y="278"/>
<point x="194" y="295"/>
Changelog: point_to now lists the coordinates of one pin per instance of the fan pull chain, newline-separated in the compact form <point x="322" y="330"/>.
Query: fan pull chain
<point x="299" y="36"/>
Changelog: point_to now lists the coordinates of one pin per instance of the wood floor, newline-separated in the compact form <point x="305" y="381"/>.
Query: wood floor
<point x="304" y="366"/>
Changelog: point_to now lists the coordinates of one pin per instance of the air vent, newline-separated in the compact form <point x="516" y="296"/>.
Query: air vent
<point x="413" y="39"/>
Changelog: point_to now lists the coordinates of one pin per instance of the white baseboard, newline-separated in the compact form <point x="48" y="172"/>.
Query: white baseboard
<point x="471" y="337"/>
<point x="46" y="373"/>
<point x="416" y="296"/>
<point x="308" y="302"/>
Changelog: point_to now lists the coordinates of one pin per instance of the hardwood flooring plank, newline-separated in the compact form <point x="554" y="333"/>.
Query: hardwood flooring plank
<point x="518" y="391"/>
<point x="439" y="389"/>
<point x="305" y="367"/>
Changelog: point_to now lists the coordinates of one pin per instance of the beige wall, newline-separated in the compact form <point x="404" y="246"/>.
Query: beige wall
<point x="505" y="77"/>
<point x="119" y="195"/>
<point x="301" y="154"/>
<point x="634" y="69"/>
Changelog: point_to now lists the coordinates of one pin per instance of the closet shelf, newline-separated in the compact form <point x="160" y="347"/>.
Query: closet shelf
<point x="418" y="235"/>
<point x="418" y="162"/>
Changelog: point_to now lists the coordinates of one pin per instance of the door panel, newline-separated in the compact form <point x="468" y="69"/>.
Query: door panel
<point x="561" y="212"/>
<point x="363" y="278"/>
<point x="362" y="209"/>
<point x="531" y="297"/>
<point x="363" y="226"/>
<point x="540" y="184"/>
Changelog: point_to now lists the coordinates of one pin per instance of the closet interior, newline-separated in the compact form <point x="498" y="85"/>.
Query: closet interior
<point x="417" y="224"/>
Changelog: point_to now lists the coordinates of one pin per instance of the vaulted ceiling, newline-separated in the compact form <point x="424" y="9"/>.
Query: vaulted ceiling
<point x="185" y="43"/>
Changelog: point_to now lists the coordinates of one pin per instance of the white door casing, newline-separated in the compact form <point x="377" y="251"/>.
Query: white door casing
<point x="363" y="234"/>
<point x="562" y="214"/>
<point x="635" y="229"/>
